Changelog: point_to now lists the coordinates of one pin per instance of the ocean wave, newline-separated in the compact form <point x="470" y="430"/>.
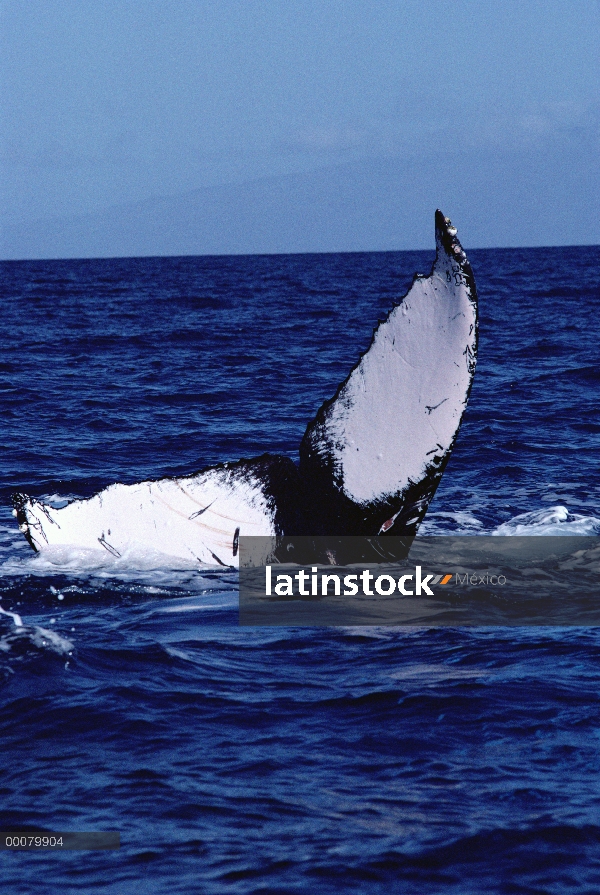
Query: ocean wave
<point x="23" y="641"/>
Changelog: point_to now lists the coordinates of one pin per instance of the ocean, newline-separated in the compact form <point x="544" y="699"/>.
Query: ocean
<point x="288" y="760"/>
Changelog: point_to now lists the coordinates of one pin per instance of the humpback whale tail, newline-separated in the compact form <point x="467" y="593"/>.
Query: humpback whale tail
<point x="370" y="461"/>
<point x="374" y="454"/>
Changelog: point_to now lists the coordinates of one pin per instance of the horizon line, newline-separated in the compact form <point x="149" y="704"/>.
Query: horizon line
<point x="504" y="248"/>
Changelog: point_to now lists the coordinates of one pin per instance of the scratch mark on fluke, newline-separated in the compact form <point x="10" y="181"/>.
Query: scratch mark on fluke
<point x="435" y="407"/>
<point x="108" y="546"/>
<point x="203" y="510"/>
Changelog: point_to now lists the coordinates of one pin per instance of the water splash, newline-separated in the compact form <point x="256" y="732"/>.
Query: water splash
<point x="550" y="521"/>
<point x="15" y="617"/>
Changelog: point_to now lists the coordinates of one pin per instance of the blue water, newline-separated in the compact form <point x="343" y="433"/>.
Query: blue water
<point x="238" y="760"/>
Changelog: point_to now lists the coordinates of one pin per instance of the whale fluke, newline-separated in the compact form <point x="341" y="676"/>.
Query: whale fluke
<point x="374" y="454"/>
<point x="196" y="518"/>
<point x="370" y="461"/>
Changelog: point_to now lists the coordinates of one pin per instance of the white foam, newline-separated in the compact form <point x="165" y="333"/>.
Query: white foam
<point x="451" y="523"/>
<point x="142" y="567"/>
<point x="24" y="637"/>
<point x="45" y="639"/>
<point x="549" y="521"/>
<point x="15" y="617"/>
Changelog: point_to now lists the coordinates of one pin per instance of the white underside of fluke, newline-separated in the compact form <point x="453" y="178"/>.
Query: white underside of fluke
<point x="198" y="518"/>
<point x="400" y="409"/>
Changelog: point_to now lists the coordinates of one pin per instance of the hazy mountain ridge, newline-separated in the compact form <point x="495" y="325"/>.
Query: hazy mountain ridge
<point x="512" y="198"/>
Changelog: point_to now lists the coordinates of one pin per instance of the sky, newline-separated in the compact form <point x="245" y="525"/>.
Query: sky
<point x="191" y="127"/>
